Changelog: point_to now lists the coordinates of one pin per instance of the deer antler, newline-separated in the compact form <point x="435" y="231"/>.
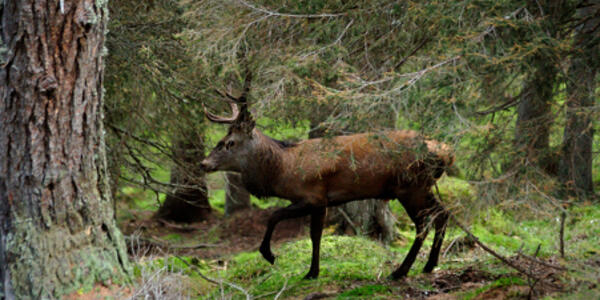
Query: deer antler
<point x="238" y="115"/>
<point x="225" y="120"/>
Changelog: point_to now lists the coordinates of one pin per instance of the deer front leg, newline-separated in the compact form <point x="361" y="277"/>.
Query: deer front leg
<point x="440" y="229"/>
<point x="317" y="219"/>
<point x="295" y="210"/>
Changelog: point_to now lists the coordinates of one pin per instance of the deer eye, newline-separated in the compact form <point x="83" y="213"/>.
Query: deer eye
<point x="229" y="145"/>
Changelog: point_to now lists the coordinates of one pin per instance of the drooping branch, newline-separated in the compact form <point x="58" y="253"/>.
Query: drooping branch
<point x="288" y="15"/>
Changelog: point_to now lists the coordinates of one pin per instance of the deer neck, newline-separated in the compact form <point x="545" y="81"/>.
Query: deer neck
<point x="264" y="168"/>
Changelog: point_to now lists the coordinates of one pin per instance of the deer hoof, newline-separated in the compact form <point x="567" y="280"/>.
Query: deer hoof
<point x="397" y="275"/>
<point x="268" y="255"/>
<point x="428" y="268"/>
<point x="311" y="275"/>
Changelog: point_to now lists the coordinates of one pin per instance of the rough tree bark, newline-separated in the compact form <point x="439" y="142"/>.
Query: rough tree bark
<point x="575" y="168"/>
<point x="189" y="201"/>
<point x="57" y="231"/>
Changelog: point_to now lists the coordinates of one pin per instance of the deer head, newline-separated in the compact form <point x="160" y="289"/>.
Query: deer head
<point x="233" y="149"/>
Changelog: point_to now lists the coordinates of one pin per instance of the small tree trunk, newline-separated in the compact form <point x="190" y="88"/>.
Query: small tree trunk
<point x="236" y="196"/>
<point x="369" y="217"/>
<point x="57" y="231"/>
<point x="189" y="201"/>
<point x="575" y="168"/>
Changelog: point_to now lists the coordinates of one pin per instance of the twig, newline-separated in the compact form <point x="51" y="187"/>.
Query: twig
<point x="265" y="295"/>
<point x="339" y="38"/>
<point x="512" y="101"/>
<point x="450" y="246"/>
<point x="273" y="13"/>
<point x="184" y="228"/>
<point x="282" y="289"/>
<point x="423" y="43"/>
<point x="543" y="263"/>
<point x="563" y="216"/>
<point x="533" y="283"/>
<point x="356" y="229"/>
<point x="196" y="246"/>
<point x="215" y="281"/>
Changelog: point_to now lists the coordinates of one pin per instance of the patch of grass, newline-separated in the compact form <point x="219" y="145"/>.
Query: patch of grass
<point x="264" y="203"/>
<point x="455" y="189"/>
<point x="362" y="292"/>
<point x="502" y="282"/>
<point x="216" y="199"/>
<point x="173" y="237"/>
<point x="140" y="199"/>
<point x="172" y="264"/>
<point x="343" y="259"/>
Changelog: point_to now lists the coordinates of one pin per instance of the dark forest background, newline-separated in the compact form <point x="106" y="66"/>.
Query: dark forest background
<point x="512" y="86"/>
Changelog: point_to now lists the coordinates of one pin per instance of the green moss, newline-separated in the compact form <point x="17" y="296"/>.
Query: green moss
<point x="366" y="291"/>
<point x="87" y="257"/>
<point x="174" y="264"/>
<point x="343" y="258"/>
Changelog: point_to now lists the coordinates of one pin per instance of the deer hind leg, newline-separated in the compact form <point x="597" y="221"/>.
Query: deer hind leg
<point x="440" y="222"/>
<point x="421" y="234"/>
<point x="317" y="219"/>
<point x="295" y="210"/>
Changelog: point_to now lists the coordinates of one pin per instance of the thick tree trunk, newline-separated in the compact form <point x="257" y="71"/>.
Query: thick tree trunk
<point x="188" y="202"/>
<point x="237" y="197"/>
<point x="575" y="168"/>
<point x="534" y="118"/>
<point x="57" y="231"/>
<point x="532" y="136"/>
<point x="369" y="217"/>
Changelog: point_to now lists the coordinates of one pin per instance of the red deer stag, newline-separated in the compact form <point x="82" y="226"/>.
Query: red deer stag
<point x="318" y="173"/>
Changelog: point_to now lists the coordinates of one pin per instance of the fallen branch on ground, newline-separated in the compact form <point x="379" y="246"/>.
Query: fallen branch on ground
<point x="215" y="281"/>
<point x="164" y="244"/>
<point x="505" y="260"/>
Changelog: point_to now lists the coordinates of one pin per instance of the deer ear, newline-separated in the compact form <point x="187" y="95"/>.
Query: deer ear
<point x="246" y="121"/>
<point x="247" y="127"/>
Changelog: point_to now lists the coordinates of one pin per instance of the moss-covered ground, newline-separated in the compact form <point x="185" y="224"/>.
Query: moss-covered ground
<point x="357" y="267"/>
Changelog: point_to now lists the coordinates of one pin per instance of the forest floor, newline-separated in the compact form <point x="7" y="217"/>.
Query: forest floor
<point x="211" y="239"/>
<point x="217" y="259"/>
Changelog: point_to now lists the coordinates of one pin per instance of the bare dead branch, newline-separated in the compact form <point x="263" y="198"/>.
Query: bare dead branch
<point x="343" y="213"/>
<point x="561" y="236"/>
<point x="282" y="290"/>
<point x="216" y="281"/>
<point x="541" y="262"/>
<point x="512" y="101"/>
<point x="421" y="45"/>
